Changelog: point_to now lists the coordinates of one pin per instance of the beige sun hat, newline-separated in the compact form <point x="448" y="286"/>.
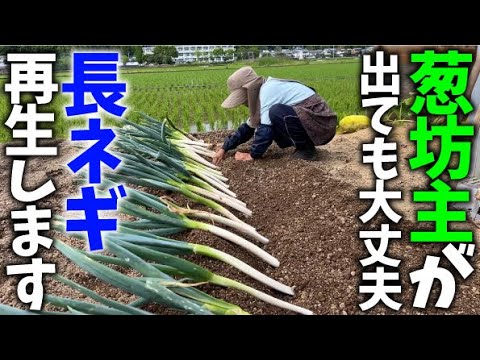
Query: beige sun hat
<point x="236" y="83"/>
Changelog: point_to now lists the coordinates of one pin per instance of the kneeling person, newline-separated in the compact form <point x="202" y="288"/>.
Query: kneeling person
<point x="285" y="111"/>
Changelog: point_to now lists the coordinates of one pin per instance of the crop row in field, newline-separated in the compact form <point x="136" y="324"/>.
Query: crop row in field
<point x="192" y="98"/>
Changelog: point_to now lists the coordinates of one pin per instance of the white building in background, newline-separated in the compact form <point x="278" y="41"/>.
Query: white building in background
<point x="148" y="49"/>
<point x="193" y="53"/>
<point x="2" y="61"/>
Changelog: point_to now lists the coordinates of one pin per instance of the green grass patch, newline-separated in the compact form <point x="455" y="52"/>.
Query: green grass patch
<point x="191" y="95"/>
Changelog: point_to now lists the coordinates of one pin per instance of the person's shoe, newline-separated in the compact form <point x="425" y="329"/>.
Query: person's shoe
<point x="309" y="154"/>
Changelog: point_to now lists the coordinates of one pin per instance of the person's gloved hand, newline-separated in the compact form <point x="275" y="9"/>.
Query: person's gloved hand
<point x="218" y="157"/>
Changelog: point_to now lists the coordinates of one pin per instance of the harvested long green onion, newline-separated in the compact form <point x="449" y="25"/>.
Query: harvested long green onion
<point x="129" y="206"/>
<point x="157" y="155"/>
<point x="183" y="248"/>
<point x="160" y="294"/>
<point x="137" y="263"/>
<point x="92" y="294"/>
<point x="199" y="273"/>
<point x="10" y="310"/>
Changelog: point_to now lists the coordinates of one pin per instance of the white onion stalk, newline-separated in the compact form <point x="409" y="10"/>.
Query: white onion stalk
<point x="227" y="235"/>
<point x="199" y="143"/>
<point x="242" y="266"/>
<point x="210" y="187"/>
<point x="226" y="282"/>
<point x="232" y="195"/>
<point x="189" y="165"/>
<point x="176" y="267"/>
<point x="192" y="155"/>
<point x="196" y="181"/>
<point x="243" y="228"/>
<point x="217" y="180"/>
<point x="208" y="176"/>
<point x="208" y="202"/>
<point x="174" y="186"/>
<point x="179" y="267"/>
<point x="178" y="220"/>
<point x="247" y="230"/>
<point x="185" y="248"/>
<point x="197" y="150"/>
<point x="220" y="198"/>
<point x="139" y="238"/>
<point x="212" y="181"/>
<point x="232" y="284"/>
<point x="206" y="147"/>
<point x="203" y="152"/>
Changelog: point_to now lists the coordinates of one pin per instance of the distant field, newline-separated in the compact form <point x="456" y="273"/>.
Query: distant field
<point x="191" y="96"/>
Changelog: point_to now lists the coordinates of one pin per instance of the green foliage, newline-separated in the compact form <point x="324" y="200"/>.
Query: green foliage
<point x="191" y="96"/>
<point x="138" y="53"/>
<point x="163" y="54"/>
<point x="218" y="52"/>
<point x="248" y="52"/>
<point x="229" y="54"/>
<point x="274" y="60"/>
<point x="198" y="54"/>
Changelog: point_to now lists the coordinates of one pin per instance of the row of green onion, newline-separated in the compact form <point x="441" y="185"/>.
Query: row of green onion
<point x="156" y="155"/>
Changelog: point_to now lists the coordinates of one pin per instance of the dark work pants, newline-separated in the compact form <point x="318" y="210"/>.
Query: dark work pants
<point x="287" y="128"/>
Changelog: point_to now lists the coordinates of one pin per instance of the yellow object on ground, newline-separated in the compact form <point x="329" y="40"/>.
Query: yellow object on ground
<point x="353" y="123"/>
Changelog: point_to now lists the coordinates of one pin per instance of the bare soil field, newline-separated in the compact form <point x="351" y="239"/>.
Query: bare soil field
<point x="309" y="211"/>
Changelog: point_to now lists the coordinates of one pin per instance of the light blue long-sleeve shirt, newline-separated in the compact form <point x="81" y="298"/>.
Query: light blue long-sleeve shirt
<point x="273" y="91"/>
<point x="277" y="91"/>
